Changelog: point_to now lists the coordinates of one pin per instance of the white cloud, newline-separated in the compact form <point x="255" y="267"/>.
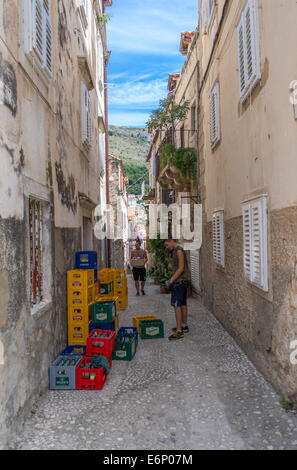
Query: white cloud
<point x="137" y="92"/>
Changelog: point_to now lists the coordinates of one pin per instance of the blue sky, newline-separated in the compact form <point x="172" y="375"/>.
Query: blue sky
<point x="144" y="37"/>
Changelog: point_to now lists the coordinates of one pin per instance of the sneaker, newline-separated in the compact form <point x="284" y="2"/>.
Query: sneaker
<point x="176" y="335"/>
<point x="137" y="293"/>
<point x="143" y="293"/>
<point x="185" y="329"/>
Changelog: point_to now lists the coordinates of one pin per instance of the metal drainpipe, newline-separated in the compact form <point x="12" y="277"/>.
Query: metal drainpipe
<point x="106" y="148"/>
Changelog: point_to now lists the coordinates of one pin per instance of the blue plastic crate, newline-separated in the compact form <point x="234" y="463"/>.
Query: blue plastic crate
<point x="129" y="330"/>
<point x="86" y="260"/>
<point x="73" y="351"/>
<point x="102" y="326"/>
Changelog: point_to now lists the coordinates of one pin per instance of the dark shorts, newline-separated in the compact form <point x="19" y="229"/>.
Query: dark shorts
<point x="139" y="274"/>
<point x="179" y="294"/>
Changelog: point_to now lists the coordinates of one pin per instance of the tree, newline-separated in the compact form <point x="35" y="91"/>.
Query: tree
<point x="168" y="115"/>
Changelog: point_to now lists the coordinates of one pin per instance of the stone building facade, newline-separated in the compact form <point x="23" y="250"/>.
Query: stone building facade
<point x="247" y="150"/>
<point x="244" y="92"/>
<point x="52" y="146"/>
<point x="119" y="203"/>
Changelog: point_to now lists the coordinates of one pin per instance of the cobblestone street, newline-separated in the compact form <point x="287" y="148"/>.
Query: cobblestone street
<point x="200" y="392"/>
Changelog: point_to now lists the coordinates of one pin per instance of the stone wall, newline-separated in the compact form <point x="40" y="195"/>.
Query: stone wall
<point x="263" y="324"/>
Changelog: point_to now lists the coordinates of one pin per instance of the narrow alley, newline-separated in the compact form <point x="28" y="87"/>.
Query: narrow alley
<point x="200" y="392"/>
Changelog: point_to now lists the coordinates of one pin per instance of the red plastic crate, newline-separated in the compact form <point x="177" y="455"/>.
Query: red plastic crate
<point x="100" y="346"/>
<point x="83" y="376"/>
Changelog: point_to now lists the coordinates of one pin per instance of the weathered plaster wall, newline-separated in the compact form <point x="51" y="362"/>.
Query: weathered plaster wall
<point x="41" y="155"/>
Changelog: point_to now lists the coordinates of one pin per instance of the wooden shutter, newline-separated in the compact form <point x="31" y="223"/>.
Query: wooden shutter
<point x="195" y="269"/>
<point x="214" y="115"/>
<point x="248" y="48"/>
<point x="241" y="58"/>
<point x="89" y="119"/>
<point x="48" y="38"/>
<point x="218" y="238"/>
<point x="255" y="242"/>
<point x="84" y="114"/>
<point x="38" y="28"/>
<point x="247" y="231"/>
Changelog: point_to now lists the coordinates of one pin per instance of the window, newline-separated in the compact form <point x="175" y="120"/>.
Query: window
<point x="218" y="238"/>
<point x="248" y="49"/>
<point x="39" y="30"/>
<point x="40" y="264"/>
<point x="214" y="116"/>
<point x="86" y="117"/>
<point x="255" y="254"/>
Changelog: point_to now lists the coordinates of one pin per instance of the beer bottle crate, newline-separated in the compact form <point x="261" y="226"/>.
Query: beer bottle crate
<point x="81" y="296"/>
<point x="86" y="260"/>
<point x="105" y="275"/>
<point x="129" y="330"/>
<point x="112" y="326"/>
<point x="77" y="335"/>
<point x="106" y="288"/>
<point x="79" y="315"/>
<point x="151" y="329"/>
<point x="104" y="311"/>
<point x="124" y="348"/>
<point x="88" y="378"/>
<point x="97" y="289"/>
<point x="80" y="278"/>
<point x="75" y="350"/>
<point x="120" y="283"/>
<point x="137" y="319"/>
<point x="98" y="345"/>
<point x="62" y="373"/>
<point x="103" y="298"/>
<point x="123" y="304"/>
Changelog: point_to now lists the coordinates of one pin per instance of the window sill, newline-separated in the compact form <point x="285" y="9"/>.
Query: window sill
<point x="40" y="309"/>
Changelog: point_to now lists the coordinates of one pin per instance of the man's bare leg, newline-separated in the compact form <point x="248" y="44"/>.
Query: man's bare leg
<point x="137" y="285"/>
<point x="178" y="317"/>
<point x="184" y="310"/>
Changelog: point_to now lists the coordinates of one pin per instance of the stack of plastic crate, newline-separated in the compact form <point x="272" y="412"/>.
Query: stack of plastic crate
<point x="106" y="277"/>
<point x="80" y="298"/>
<point x="105" y="314"/>
<point x="89" y="260"/>
<point x="121" y="287"/>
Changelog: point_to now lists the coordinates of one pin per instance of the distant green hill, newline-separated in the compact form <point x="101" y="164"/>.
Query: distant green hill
<point x="132" y="146"/>
<point x="129" y="143"/>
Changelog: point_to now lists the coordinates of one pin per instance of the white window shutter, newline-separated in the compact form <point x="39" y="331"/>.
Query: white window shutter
<point x="218" y="238"/>
<point x="89" y="120"/>
<point x="256" y="242"/>
<point x="241" y="58"/>
<point x="84" y="114"/>
<point x="38" y="28"/>
<point x="247" y="232"/>
<point x="214" y="115"/>
<point x="248" y="48"/>
<point x="48" y="49"/>
<point x="195" y="269"/>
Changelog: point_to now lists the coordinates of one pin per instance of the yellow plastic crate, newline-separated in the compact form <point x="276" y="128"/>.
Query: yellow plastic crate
<point x="77" y="335"/>
<point x="117" y="324"/>
<point x="80" y="296"/>
<point x="80" y="278"/>
<point x="78" y="316"/>
<point x="138" y="318"/>
<point x="105" y="276"/>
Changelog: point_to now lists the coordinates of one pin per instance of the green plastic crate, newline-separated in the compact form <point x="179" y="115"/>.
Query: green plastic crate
<point x="124" y="347"/>
<point x="104" y="311"/>
<point x="106" y="288"/>
<point x="151" y="329"/>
